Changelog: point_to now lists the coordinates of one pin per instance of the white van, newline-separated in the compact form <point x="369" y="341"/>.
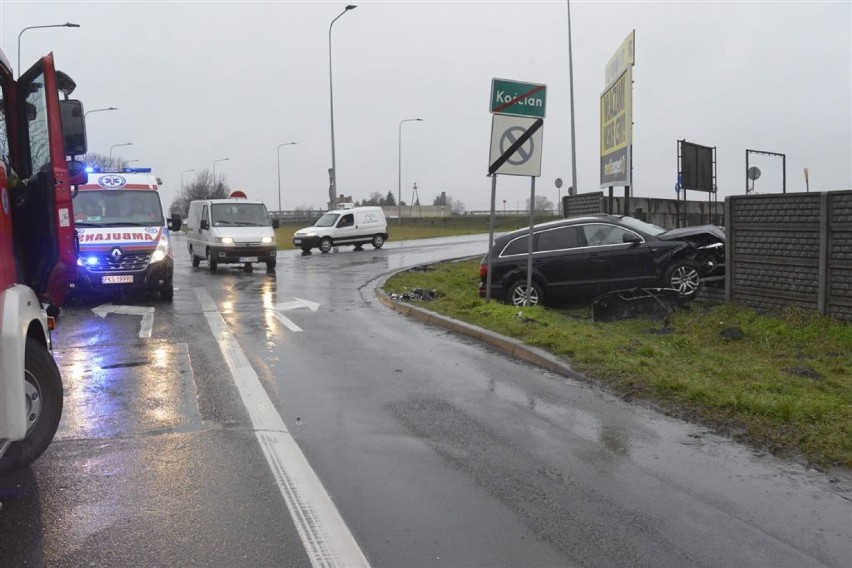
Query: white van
<point x="348" y="226"/>
<point x="230" y="231"/>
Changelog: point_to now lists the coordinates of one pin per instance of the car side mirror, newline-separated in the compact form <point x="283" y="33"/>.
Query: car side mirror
<point x="275" y="223"/>
<point x="204" y="225"/>
<point x="632" y="238"/>
<point x="175" y="222"/>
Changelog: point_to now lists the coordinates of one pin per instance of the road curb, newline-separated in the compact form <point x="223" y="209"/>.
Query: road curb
<point x="508" y="345"/>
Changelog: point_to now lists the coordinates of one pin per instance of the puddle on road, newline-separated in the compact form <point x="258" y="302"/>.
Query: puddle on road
<point x="127" y="390"/>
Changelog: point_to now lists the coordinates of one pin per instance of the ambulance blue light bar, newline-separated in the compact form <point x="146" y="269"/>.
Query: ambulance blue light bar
<point x="100" y="170"/>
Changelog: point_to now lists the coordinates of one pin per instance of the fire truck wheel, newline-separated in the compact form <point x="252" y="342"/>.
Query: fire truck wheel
<point x="43" y="388"/>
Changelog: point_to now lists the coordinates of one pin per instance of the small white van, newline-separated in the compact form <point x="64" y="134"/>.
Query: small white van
<point x="230" y="231"/>
<point x="347" y="226"/>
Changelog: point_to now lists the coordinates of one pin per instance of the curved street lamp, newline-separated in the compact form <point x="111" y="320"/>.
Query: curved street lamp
<point x="65" y="25"/>
<point x="181" y="179"/>
<point x="116" y="146"/>
<point x="214" y="168"/>
<point x="399" y="169"/>
<point x="279" y="171"/>
<point x="333" y="195"/>
<point x="98" y="110"/>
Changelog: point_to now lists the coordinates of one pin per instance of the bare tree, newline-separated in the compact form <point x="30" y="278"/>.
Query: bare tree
<point x="542" y="203"/>
<point x="95" y="160"/>
<point x="203" y="186"/>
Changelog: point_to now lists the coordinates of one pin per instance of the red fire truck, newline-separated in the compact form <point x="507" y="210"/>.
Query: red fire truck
<point x="40" y="128"/>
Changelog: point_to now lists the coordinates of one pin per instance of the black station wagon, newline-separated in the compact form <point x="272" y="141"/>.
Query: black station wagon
<point x="582" y="257"/>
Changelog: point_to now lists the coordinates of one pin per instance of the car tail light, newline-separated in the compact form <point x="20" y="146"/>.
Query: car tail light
<point x="483" y="270"/>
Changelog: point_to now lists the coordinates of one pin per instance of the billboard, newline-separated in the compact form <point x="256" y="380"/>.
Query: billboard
<point x="617" y="130"/>
<point x="696" y="167"/>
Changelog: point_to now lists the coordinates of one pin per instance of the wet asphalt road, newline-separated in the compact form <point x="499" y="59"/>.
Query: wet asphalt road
<point x="435" y="450"/>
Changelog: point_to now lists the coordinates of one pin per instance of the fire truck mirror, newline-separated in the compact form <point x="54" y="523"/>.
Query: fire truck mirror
<point x="73" y="127"/>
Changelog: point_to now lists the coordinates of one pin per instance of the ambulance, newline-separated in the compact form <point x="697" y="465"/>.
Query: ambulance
<point x="124" y="239"/>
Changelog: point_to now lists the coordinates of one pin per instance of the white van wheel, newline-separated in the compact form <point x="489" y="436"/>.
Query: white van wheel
<point x="378" y="241"/>
<point x="325" y="245"/>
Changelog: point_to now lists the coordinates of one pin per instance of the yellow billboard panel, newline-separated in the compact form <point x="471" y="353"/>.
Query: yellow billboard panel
<point x="617" y="130"/>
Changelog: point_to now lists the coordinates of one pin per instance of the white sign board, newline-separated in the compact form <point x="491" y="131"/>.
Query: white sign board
<point x="526" y="160"/>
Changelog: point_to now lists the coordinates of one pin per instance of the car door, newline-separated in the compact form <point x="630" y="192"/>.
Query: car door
<point x="559" y="259"/>
<point x="611" y="262"/>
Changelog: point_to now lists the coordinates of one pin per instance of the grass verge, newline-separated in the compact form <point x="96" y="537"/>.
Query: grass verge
<point x="781" y="382"/>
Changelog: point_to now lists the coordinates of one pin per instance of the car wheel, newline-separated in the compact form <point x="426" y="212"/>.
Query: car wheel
<point x="195" y="260"/>
<point x="518" y="290"/>
<point x="325" y="245"/>
<point x="270" y="265"/>
<point x="378" y="241"/>
<point x="212" y="262"/>
<point x="167" y="293"/>
<point x="683" y="277"/>
<point x="43" y="391"/>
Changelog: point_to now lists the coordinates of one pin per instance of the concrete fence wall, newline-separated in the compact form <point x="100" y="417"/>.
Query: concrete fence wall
<point x="662" y="212"/>
<point x="791" y="250"/>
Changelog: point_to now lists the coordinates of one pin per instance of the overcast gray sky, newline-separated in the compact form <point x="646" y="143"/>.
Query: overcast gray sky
<point x="199" y="81"/>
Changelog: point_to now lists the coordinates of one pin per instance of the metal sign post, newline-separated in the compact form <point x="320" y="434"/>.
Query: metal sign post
<point x="530" y="249"/>
<point x="491" y="236"/>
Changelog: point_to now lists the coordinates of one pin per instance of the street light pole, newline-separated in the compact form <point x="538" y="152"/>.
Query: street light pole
<point x="116" y="146"/>
<point x="399" y="167"/>
<point x="278" y="151"/>
<point x="98" y="110"/>
<point x="214" y="168"/>
<point x="571" y="85"/>
<point x="65" y="25"/>
<point x="333" y="195"/>
<point x="181" y="179"/>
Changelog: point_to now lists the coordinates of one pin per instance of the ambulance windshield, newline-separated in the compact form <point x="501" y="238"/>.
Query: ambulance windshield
<point x="111" y="208"/>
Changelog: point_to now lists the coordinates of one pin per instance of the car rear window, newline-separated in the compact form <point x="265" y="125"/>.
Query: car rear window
<point x="557" y="239"/>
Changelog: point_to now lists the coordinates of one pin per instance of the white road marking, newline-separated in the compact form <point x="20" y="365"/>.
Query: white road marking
<point x="297" y="303"/>
<point x="288" y="323"/>
<point x="325" y="535"/>
<point x="147" y="314"/>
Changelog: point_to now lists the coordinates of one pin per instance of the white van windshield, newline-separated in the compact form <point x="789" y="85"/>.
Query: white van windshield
<point x="239" y="215"/>
<point x="117" y="208"/>
<point x="327" y="220"/>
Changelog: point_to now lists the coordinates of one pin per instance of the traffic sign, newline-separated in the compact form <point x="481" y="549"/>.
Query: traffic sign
<point x="525" y="160"/>
<point x="518" y="99"/>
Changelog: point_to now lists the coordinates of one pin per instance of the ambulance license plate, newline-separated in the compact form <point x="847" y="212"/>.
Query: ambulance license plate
<point x="117" y="279"/>
<point x="248" y="259"/>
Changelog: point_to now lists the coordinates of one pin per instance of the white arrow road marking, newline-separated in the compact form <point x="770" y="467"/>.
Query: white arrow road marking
<point x="286" y="321"/>
<point x="147" y="314"/>
<point x="294" y="305"/>
<point x="298" y="303"/>
<point x="324" y="533"/>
